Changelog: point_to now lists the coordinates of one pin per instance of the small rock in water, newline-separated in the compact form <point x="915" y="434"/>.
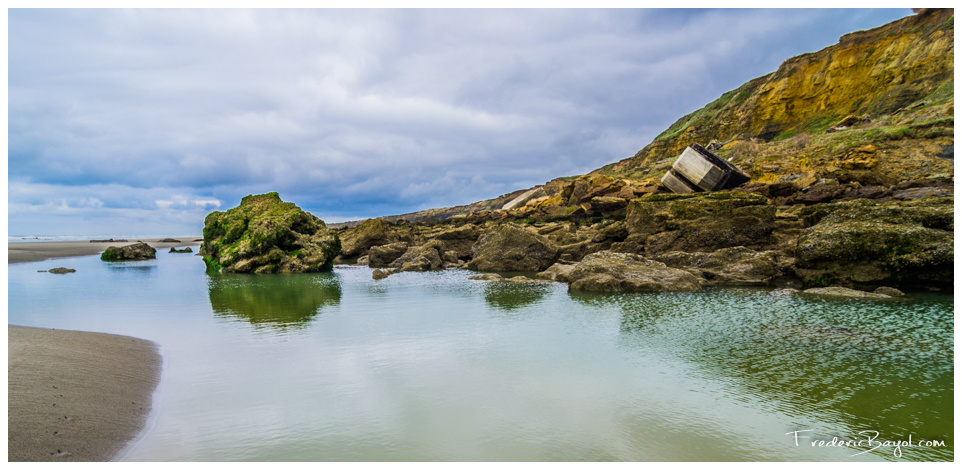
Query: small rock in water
<point x="889" y="291"/>
<point x="845" y="292"/>
<point x="379" y="274"/>
<point x="62" y="270"/>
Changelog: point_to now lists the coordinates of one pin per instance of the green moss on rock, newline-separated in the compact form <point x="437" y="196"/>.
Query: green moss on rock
<point x="865" y="243"/>
<point x="267" y="235"/>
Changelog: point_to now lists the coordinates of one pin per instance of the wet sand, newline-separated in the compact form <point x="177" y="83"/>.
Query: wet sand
<point x="76" y="396"/>
<point x="39" y="251"/>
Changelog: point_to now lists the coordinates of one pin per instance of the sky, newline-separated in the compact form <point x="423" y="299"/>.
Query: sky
<point x="143" y="121"/>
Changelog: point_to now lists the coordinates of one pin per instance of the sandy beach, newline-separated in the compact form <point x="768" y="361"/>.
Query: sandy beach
<point x="39" y="251"/>
<point x="76" y="396"/>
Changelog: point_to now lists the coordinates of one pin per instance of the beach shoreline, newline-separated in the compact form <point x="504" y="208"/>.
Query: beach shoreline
<point x="24" y="252"/>
<point x="76" y="396"/>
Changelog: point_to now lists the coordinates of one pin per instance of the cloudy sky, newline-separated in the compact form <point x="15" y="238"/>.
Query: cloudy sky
<point x="141" y="122"/>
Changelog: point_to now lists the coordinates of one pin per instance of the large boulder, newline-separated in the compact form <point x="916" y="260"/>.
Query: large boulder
<point x="736" y="266"/>
<point x="267" y="235"/>
<point x="660" y="223"/>
<point x="382" y="256"/>
<point x="507" y="247"/>
<point x="357" y="240"/>
<point x="607" y="271"/>
<point x="868" y="243"/>
<point x="135" y="252"/>
<point x="427" y="257"/>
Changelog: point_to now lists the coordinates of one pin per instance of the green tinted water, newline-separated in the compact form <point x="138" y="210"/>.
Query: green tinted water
<point x="433" y="366"/>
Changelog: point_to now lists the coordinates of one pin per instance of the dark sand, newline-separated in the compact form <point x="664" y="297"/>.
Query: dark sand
<point x="76" y="396"/>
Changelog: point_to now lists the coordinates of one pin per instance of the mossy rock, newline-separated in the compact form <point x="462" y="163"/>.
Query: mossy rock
<point x="507" y="247"/>
<point x="659" y="223"/>
<point x="135" y="252"/>
<point x="863" y="242"/>
<point x="267" y="235"/>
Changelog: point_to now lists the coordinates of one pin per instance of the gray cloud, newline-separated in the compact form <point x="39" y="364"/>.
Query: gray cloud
<point x="357" y="113"/>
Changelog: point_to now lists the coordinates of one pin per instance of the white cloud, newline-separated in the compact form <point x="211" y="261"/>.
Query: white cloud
<point x="362" y="111"/>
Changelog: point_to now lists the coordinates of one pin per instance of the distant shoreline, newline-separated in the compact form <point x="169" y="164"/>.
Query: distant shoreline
<point x="24" y="252"/>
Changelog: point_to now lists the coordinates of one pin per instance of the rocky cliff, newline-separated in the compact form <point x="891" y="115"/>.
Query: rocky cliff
<point x="850" y="150"/>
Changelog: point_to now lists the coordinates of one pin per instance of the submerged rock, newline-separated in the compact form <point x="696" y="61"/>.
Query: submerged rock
<point x="136" y="252"/>
<point x="507" y="247"/>
<point x="608" y="271"/>
<point x="267" y="235"/>
<point x="62" y="270"/>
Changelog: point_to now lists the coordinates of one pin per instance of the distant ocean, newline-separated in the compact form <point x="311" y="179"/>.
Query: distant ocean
<point x="84" y="238"/>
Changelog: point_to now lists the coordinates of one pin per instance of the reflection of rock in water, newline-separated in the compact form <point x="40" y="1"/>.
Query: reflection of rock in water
<point x="273" y="300"/>
<point x="511" y="296"/>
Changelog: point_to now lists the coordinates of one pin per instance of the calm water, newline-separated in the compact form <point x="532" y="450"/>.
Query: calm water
<point x="433" y="366"/>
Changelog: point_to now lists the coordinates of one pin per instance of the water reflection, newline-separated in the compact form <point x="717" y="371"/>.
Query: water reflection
<point x="133" y="268"/>
<point x="509" y="296"/>
<point x="273" y="301"/>
<point x="884" y="367"/>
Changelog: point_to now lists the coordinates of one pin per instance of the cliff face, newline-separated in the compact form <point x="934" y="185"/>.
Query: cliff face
<point x="900" y="74"/>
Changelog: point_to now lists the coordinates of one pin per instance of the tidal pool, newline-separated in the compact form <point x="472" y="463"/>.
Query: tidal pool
<point x="437" y="367"/>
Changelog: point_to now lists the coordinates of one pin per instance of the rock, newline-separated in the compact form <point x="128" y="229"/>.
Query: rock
<point x="135" y="252"/>
<point x="457" y="239"/>
<point x="266" y="235"/>
<point x="379" y="274"/>
<point x="486" y="277"/>
<point x="864" y="242"/>
<point x="889" y="291"/>
<point x="845" y="292"/>
<point x="169" y="240"/>
<point x="660" y="223"/>
<point x="525" y="280"/>
<point x="608" y="271"/>
<point x="606" y="205"/>
<point x="507" y="247"/>
<point x="62" y="270"/>
<point x="383" y="255"/>
<point x="357" y="240"/>
<point x="736" y="266"/>
<point x="426" y="257"/>
<point x="184" y="250"/>
<point x="363" y="261"/>
<point x="557" y="272"/>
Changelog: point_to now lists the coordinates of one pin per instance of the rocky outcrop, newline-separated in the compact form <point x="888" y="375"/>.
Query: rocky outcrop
<point x="865" y="243"/>
<point x="608" y="271"/>
<point x="900" y="73"/>
<point x="136" y="252"/>
<point x="382" y="256"/>
<point x="556" y="272"/>
<point x="736" y="266"/>
<point x="507" y="247"/>
<point x="357" y="240"/>
<point x="426" y="257"/>
<point x="699" y="222"/>
<point x="182" y="250"/>
<point x="267" y="235"/>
